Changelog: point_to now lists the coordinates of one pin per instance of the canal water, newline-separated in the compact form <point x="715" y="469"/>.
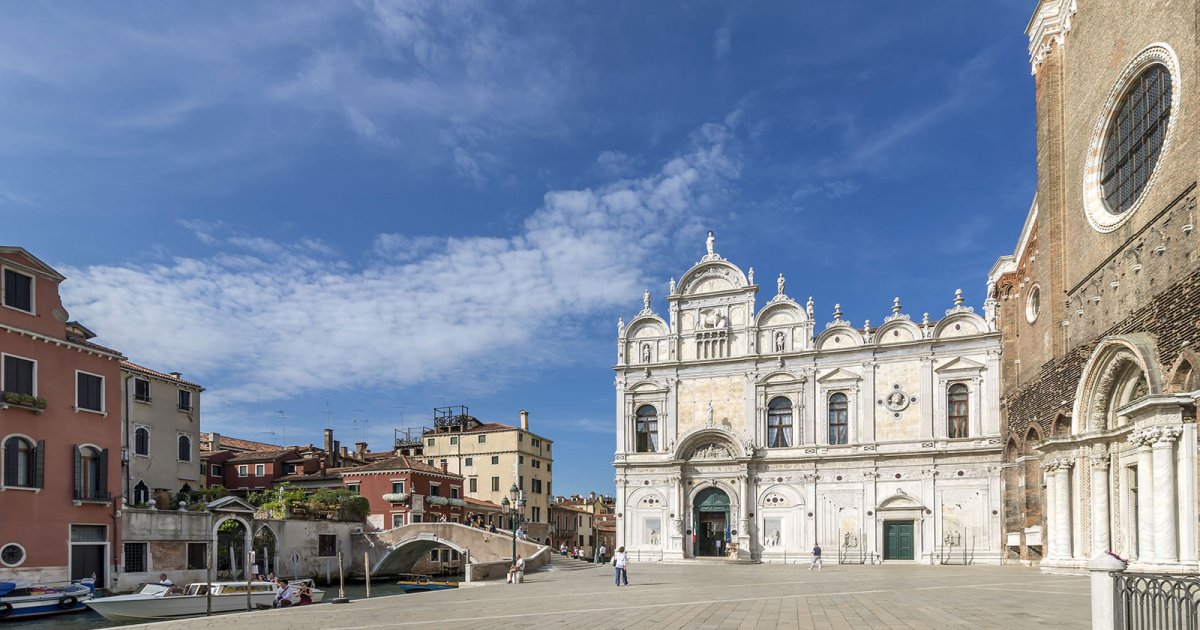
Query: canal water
<point x="87" y="620"/>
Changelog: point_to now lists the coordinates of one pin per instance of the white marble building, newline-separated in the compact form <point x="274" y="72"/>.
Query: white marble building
<point x="751" y="433"/>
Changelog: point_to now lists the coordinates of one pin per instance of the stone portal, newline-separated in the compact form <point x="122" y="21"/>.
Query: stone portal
<point x="711" y="524"/>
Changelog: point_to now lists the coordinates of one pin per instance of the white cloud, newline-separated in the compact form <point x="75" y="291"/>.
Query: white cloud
<point x="614" y="164"/>
<point x="258" y="319"/>
<point x="722" y="43"/>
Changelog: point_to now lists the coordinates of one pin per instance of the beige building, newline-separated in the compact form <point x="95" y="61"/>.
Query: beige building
<point x="491" y="457"/>
<point x="160" y="437"/>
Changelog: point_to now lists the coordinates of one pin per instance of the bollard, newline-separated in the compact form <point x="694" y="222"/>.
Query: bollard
<point x="1104" y="611"/>
<point x="341" y="598"/>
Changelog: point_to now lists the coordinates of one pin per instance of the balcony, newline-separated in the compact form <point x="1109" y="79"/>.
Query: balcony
<point x="22" y="401"/>
<point x="396" y="497"/>
<point x="92" y="496"/>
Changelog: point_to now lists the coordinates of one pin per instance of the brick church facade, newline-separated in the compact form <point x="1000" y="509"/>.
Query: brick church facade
<point x="1098" y="303"/>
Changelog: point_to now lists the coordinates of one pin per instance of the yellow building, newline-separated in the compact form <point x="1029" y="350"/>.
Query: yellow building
<point x="491" y="457"/>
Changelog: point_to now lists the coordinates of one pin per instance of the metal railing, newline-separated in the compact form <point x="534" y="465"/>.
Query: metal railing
<point x="1157" y="601"/>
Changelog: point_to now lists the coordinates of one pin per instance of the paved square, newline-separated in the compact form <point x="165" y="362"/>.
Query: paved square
<point x="669" y="596"/>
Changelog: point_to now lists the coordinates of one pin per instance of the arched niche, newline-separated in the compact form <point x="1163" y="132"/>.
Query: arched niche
<point x="1121" y="369"/>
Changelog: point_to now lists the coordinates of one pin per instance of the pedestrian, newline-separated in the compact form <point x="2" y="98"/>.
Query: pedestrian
<point x="516" y="571"/>
<point x="164" y="580"/>
<point x="816" y="558"/>
<point x="621" y="561"/>
<point x="603" y="553"/>
<point x="492" y="528"/>
<point x="521" y="533"/>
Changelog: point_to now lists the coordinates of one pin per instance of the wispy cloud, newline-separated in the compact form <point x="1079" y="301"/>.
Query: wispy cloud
<point x="263" y="319"/>
<point x="722" y="43"/>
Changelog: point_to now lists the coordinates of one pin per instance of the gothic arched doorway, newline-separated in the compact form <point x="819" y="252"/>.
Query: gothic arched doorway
<point x="710" y="522"/>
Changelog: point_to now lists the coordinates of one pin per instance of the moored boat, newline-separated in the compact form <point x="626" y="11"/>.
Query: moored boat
<point x="413" y="583"/>
<point x="158" y="601"/>
<point x="22" y="600"/>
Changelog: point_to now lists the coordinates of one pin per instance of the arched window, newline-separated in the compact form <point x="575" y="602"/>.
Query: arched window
<point x="839" y="416"/>
<point x="141" y="441"/>
<point x="141" y="494"/>
<point x="22" y="468"/>
<point x="956" y="411"/>
<point x="779" y="422"/>
<point x="185" y="448"/>
<point x="647" y="429"/>
<point x="90" y="473"/>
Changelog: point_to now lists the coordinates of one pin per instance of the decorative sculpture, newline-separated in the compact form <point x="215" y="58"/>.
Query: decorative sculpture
<point x="620" y="326"/>
<point x="646" y="299"/>
<point x="710" y="242"/>
<point x="654" y="537"/>
<point x="779" y="285"/>
<point x="710" y="413"/>
<point x="751" y="275"/>
<point x="671" y="286"/>
<point x="780" y="340"/>
<point x="645" y="353"/>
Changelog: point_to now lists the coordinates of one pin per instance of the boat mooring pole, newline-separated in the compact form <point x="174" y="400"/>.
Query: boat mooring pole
<point x="208" y="592"/>
<point x="367" y="569"/>
<point x="249" y="578"/>
<point x="341" y="598"/>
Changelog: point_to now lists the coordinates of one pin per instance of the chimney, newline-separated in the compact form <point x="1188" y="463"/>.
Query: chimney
<point x="329" y="446"/>
<point x="524" y="420"/>
<point x="216" y="442"/>
<point x="344" y="450"/>
<point x="360" y="448"/>
<point x="177" y="375"/>
<point x="445" y="466"/>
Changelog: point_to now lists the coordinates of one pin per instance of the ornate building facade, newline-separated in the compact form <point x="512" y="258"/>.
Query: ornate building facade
<point x="1097" y="304"/>
<point x="752" y="434"/>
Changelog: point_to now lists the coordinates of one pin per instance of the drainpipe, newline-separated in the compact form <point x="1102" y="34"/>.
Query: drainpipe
<point x="125" y="440"/>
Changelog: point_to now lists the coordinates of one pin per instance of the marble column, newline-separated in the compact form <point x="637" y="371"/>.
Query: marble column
<point x="1049" y="543"/>
<point x="1166" y="538"/>
<point x="1145" y="496"/>
<point x="1101" y="540"/>
<point x="1062" y="508"/>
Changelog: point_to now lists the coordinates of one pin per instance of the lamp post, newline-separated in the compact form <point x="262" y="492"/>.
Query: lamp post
<point x="514" y="507"/>
<point x="507" y="509"/>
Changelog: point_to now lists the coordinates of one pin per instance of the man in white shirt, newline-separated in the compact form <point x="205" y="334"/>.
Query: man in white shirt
<point x="283" y="594"/>
<point x="603" y="553"/>
<point x="517" y="572"/>
<point x="164" y="580"/>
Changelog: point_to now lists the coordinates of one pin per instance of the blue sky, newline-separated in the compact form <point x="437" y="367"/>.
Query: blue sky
<point x="352" y="212"/>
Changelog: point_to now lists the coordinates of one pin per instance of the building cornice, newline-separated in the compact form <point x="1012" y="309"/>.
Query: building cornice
<point x="1048" y="26"/>
<point x="90" y="349"/>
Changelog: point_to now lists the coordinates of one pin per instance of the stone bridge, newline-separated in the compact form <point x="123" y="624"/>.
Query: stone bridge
<point x="397" y="550"/>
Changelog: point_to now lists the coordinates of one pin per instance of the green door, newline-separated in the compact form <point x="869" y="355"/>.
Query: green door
<point x="898" y="540"/>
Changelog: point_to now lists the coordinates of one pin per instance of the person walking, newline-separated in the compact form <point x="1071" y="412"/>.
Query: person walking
<point x="603" y="553"/>
<point x="816" y="558"/>
<point x="621" y="561"/>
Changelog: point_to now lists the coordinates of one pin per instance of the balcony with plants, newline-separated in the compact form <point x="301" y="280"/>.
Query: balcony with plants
<point x="22" y="400"/>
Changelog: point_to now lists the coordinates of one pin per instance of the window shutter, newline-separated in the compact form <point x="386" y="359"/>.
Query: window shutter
<point x="103" y="476"/>
<point x="78" y="473"/>
<point x="10" y="461"/>
<point x="39" y="465"/>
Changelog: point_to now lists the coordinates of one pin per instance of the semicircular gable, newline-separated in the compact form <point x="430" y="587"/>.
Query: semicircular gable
<point x="712" y="276"/>
<point x="897" y="331"/>
<point x="782" y="313"/>
<point x="960" y="325"/>
<point x="780" y="495"/>
<point x="839" y="338"/>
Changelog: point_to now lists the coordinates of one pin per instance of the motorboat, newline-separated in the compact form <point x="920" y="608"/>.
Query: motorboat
<point x="413" y="583"/>
<point x="160" y="601"/>
<point x="22" y="600"/>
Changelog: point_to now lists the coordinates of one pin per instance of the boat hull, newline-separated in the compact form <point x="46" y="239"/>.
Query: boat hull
<point x="132" y="608"/>
<point x="29" y="606"/>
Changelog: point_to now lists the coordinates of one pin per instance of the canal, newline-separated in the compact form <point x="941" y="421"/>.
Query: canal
<point x="87" y="620"/>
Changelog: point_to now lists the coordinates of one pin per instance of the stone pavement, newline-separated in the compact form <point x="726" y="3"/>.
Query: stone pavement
<point x="676" y="596"/>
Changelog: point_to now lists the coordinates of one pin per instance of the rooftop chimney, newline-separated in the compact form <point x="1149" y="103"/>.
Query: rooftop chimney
<point x="329" y="446"/>
<point x="524" y="420"/>
<point x="177" y="375"/>
<point x="216" y="442"/>
<point x="345" y="451"/>
<point x="360" y="448"/>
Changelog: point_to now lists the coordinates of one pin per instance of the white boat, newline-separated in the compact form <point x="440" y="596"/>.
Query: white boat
<point x="22" y="600"/>
<point x="158" y="601"/>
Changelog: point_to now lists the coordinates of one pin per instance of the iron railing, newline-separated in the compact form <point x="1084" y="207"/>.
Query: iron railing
<point x="1157" y="601"/>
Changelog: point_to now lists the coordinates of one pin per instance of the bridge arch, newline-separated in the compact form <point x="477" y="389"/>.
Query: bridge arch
<point x="401" y="557"/>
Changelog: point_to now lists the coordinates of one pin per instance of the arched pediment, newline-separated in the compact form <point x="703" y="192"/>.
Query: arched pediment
<point x="961" y="324"/>
<point x="785" y="312"/>
<point x="897" y="331"/>
<point x="779" y="377"/>
<point x="712" y="276"/>
<point x="646" y="326"/>
<point x="646" y="387"/>
<point x="1122" y="363"/>
<point x="696" y="445"/>
<point x="839" y="338"/>
<point x="780" y="496"/>
<point x="900" y="501"/>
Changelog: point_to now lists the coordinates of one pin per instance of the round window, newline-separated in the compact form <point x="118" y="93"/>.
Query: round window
<point x="12" y="554"/>
<point x="1131" y="136"/>
<point x="1033" y="305"/>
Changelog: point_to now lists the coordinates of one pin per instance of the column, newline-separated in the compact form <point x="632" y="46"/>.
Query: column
<point x="1145" y="495"/>
<point x="1062" y="508"/>
<point x="1166" y="539"/>
<point x="1187" y="494"/>
<point x="1101" y="541"/>
<point x="1049" y="543"/>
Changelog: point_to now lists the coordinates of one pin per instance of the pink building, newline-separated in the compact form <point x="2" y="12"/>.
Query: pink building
<point x="403" y="490"/>
<point x="60" y="433"/>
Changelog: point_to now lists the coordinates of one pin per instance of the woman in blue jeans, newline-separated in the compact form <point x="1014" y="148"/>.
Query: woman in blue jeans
<point x="620" y="559"/>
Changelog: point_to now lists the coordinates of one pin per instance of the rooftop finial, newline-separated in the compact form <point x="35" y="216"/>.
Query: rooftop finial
<point x="958" y="298"/>
<point x="925" y="320"/>
<point x="837" y="312"/>
<point x="671" y="286"/>
<point x="620" y="325"/>
<point x="867" y="326"/>
<point x="646" y="299"/>
<point x="896" y="304"/>
<point x="710" y="242"/>
<point x="751" y="275"/>
<point x="809" y="307"/>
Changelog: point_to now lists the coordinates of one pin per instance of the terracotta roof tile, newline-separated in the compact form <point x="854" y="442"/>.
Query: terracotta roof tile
<point x="133" y="367"/>
<point x="400" y="462"/>
<point x="239" y="444"/>
<point x="255" y="456"/>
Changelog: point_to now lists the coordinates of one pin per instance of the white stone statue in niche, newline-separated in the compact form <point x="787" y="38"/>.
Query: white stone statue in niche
<point x="645" y="353"/>
<point x="773" y="539"/>
<point x="780" y="341"/>
<point x="654" y="537"/>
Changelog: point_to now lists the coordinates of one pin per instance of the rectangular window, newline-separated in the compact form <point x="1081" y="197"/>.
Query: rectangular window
<point x="218" y="470"/>
<point x="495" y="484"/>
<point x="135" y="557"/>
<point x="537" y="514"/>
<point x="433" y="555"/>
<point x="416" y="518"/>
<point x="197" y="556"/>
<point x="442" y="463"/>
<point x="185" y="400"/>
<point x="326" y="545"/>
<point x="468" y="462"/>
<point x="89" y="391"/>
<point x="548" y="488"/>
<point x="473" y="485"/>
<point x="141" y="389"/>
<point x="243" y="470"/>
<point x="260" y="470"/>
<point x="537" y="486"/>
<point x="521" y="482"/>
<point x="430" y="441"/>
<point x="18" y="290"/>
<point x="547" y="466"/>
<point x="353" y="488"/>
<point x="430" y="462"/>
<point x="454" y="490"/>
<point x="495" y="460"/>
<point x="435" y="489"/>
<point x="18" y="375"/>
<point x="454" y="441"/>
<point x="482" y="438"/>
<point x="520" y="459"/>
<point x="520" y="437"/>
<point x="535" y="442"/>
<point x="397" y="487"/>
<point x="397" y="520"/>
